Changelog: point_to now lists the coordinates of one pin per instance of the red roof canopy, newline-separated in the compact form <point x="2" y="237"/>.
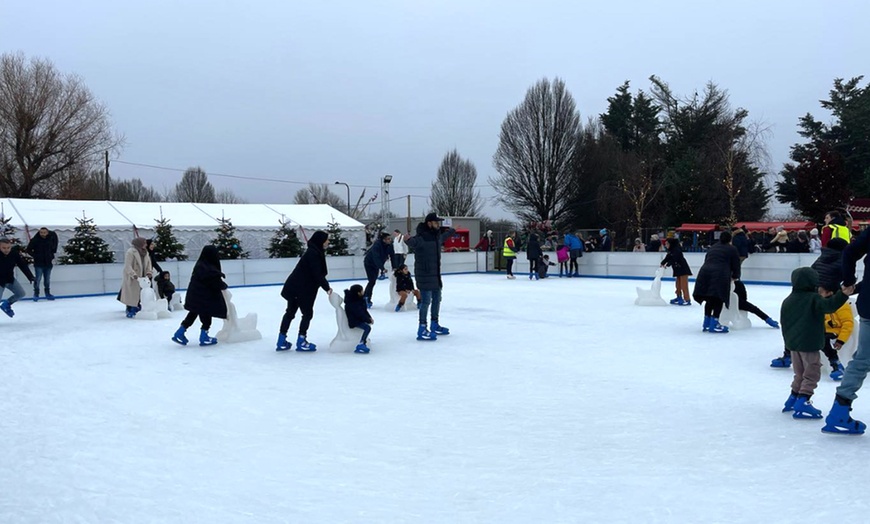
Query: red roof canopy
<point x="788" y="226"/>
<point x="698" y="227"/>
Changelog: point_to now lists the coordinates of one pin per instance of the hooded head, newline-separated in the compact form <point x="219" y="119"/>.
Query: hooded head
<point x="725" y="237"/>
<point x="149" y="244"/>
<point x="317" y="239"/>
<point x="210" y="255"/>
<point x="804" y="279"/>
<point x="602" y="232"/>
<point x="139" y="244"/>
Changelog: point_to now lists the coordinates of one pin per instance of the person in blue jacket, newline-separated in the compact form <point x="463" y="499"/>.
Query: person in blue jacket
<point x="605" y="244"/>
<point x="575" y="251"/>
<point x="374" y="262"/>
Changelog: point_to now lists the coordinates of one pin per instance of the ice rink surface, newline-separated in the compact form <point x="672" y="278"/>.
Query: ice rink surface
<point x="552" y="401"/>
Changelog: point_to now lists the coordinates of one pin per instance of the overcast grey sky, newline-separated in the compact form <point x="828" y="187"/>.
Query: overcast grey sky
<point x="353" y="90"/>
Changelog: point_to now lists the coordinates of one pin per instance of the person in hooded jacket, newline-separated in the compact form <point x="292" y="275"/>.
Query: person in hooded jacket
<point x="427" y="269"/>
<point x="204" y="297"/>
<point x="137" y="264"/>
<point x="357" y="315"/>
<point x="9" y="259"/>
<point x="605" y="243"/>
<point x="374" y="262"/>
<point x="150" y="244"/>
<point x="533" y="253"/>
<point x="713" y="285"/>
<point x="42" y="247"/>
<point x="740" y="242"/>
<point x="165" y="287"/>
<point x="677" y="261"/>
<point x="300" y="292"/>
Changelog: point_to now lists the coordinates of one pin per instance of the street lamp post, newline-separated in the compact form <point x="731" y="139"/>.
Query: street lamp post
<point x="348" y="194"/>
<point x="385" y="198"/>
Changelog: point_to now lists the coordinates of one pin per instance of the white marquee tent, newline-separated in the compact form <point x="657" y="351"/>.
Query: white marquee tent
<point x="194" y="225"/>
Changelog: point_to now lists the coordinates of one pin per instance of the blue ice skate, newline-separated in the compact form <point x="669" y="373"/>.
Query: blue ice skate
<point x="303" y="346"/>
<point x="438" y="329"/>
<point x="772" y="323"/>
<point x="6" y="307"/>
<point x="361" y="348"/>
<point x="781" y="362"/>
<point x="804" y="409"/>
<point x="837" y="373"/>
<point x="205" y="340"/>
<point x="282" y="344"/>
<point x="789" y="403"/>
<point x="425" y="334"/>
<point x="179" y="337"/>
<point x="839" y="422"/>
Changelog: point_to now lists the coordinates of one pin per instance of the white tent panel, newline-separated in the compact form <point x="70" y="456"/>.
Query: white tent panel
<point x="63" y="214"/>
<point x="243" y="215"/>
<point x="181" y="215"/>
<point x="316" y="216"/>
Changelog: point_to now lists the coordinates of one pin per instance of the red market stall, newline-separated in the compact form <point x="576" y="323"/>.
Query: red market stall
<point x="695" y="229"/>
<point x="788" y="226"/>
<point x="458" y="242"/>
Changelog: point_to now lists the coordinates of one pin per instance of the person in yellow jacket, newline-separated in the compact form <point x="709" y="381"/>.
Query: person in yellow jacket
<point x="509" y="253"/>
<point x="838" y="330"/>
<point x="836" y="226"/>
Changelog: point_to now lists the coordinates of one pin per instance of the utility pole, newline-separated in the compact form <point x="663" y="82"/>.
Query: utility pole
<point x="408" y="219"/>
<point x="107" y="176"/>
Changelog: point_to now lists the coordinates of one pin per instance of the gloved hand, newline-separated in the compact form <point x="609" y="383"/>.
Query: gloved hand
<point x="838" y="344"/>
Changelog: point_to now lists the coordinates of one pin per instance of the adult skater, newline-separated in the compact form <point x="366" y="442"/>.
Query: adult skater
<point x="400" y="250"/>
<point x="427" y="269"/>
<point x="42" y="248"/>
<point x="10" y="258"/>
<point x="137" y="264"/>
<point x="713" y="285"/>
<point x="575" y="249"/>
<point x="509" y="253"/>
<point x="534" y="254"/>
<point x="204" y="297"/>
<point x="374" y="261"/>
<point x="300" y="291"/>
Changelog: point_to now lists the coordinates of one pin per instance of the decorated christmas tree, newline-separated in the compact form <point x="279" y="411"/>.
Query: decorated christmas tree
<point x="229" y="247"/>
<point x="285" y="243"/>
<point x="8" y="231"/>
<point x="85" y="247"/>
<point x="337" y="243"/>
<point x="167" y="245"/>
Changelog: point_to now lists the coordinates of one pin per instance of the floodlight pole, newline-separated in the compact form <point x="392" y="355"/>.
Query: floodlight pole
<point x="348" y="194"/>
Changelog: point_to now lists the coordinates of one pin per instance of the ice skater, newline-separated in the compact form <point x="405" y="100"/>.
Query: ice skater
<point x="137" y="264"/>
<point x="374" y="261"/>
<point x="677" y="261"/>
<point x="509" y="253"/>
<point x="300" y="292"/>
<point x="42" y="247"/>
<point x="427" y="268"/>
<point x="358" y="315"/>
<point x="204" y="297"/>
<point x="9" y="259"/>
<point x="713" y="285"/>
<point x="405" y="286"/>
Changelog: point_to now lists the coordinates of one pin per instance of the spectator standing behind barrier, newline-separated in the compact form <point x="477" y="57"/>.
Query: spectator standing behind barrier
<point x="654" y="245"/>
<point x="9" y="259"/>
<point x="400" y="250"/>
<point x="638" y="246"/>
<point x="740" y="242"/>
<point x="42" y="248"/>
<point x="605" y="243"/>
<point x="815" y="242"/>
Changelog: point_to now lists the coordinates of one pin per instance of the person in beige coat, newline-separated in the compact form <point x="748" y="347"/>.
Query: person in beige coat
<point x="137" y="264"/>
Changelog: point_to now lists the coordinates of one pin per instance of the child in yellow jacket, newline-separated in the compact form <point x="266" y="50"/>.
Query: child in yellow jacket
<point x="838" y="330"/>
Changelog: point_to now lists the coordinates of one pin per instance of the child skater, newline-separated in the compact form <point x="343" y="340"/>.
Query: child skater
<point x="165" y="287"/>
<point x="562" y="255"/>
<point x="358" y="315"/>
<point x="405" y="286"/>
<point x="677" y="261"/>
<point x="204" y="297"/>
<point x="543" y="266"/>
<point x="803" y="331"/>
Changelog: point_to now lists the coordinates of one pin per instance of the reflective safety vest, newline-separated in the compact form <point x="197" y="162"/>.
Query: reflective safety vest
<point x="506" y="250"/>
<point x="838" y="231"/>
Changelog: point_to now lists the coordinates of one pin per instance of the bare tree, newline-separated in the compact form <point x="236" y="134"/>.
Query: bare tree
<point x="453" y="191"/>
<point x="50" y="124"/>
<point x="228" y="196"/>
<point x="742" y="147"/>
<point x="194" y="187"/>
<point x="133" y="191"/>
<point x="319" y="194"/>
<point x="536" y="153"/>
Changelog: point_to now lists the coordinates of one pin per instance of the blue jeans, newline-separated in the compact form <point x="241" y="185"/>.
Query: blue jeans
<point x="367" y="328"/>
<point x="430" y="296"/>
<point x="856" y="370"/>
<point x="15" y="288"/>
<point x="43" y="273"/>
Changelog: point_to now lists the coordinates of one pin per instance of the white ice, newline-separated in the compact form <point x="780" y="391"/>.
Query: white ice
<point x="551" y="401"/>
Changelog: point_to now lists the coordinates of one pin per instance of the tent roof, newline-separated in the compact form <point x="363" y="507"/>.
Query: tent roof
<point x="697" y="227"/>
<point x="788" y="226"/>
<point x="62" y="214"/>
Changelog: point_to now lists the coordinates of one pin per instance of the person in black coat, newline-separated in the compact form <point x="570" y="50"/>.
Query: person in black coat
<point x="740" y="242"/>
<point x="829" y="265"/>
<point x="149" y="247"/>
<point x="534" y="254"/>
<point x="300" y="291"/>
<point x="405" y="286"/>
<point x="42" y="248"/>
<point x="204" y="297"/>
<point x="677" y="261"/>
<point x="427" y="269"/>
<point x="9" y="259"/>
<point x="165" y="287"/>
<point x="358" y="315"/>
<point x="374" y="262"/>
<point x="713" y="285"/>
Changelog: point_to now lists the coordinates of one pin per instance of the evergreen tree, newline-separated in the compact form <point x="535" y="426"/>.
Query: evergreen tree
<point x="337" y="243"/>
<point x="167" y="245"/>
<point x="7" y="230"/>
<point x="85" y="247"/>
<point x="229" y="247"/>
<point x="285" y="243"/>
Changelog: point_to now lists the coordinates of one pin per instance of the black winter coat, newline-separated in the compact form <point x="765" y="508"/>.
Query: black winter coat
<point x="851" y="255"/>
<point x="829" y="266"/>
<point x="204" y="293"/>
<point x="721" y="265"/>
<point x="741" y="243"/>
<point x="7" y="267"/>
<point x="676" y="260"/>
<point x="309" y="274"/>
<point x="427" y="255"/>
<point x="165" y="287"/>
<point x="404" y="282"/>
<point x="43" y="249"/>
<point x="356" y="309"/>
<point x="533" y="248"/>
<point x="378" y="254"/>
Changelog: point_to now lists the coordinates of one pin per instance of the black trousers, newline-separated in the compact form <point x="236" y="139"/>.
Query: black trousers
<point x="294" y="305"/>
<point x="191" y="317"/>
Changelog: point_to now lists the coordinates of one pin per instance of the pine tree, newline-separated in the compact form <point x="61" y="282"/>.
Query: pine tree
<point x="337" y="243"/>
<point x="229" y="247"/>
<point x="85" y="247"/>
<point x="167" y="245"/>
<point x="7" y="230"/>
<point x="285" y="243"/>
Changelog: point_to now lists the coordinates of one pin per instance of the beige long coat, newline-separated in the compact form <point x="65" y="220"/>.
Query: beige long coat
<point x="135" y="266"/>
